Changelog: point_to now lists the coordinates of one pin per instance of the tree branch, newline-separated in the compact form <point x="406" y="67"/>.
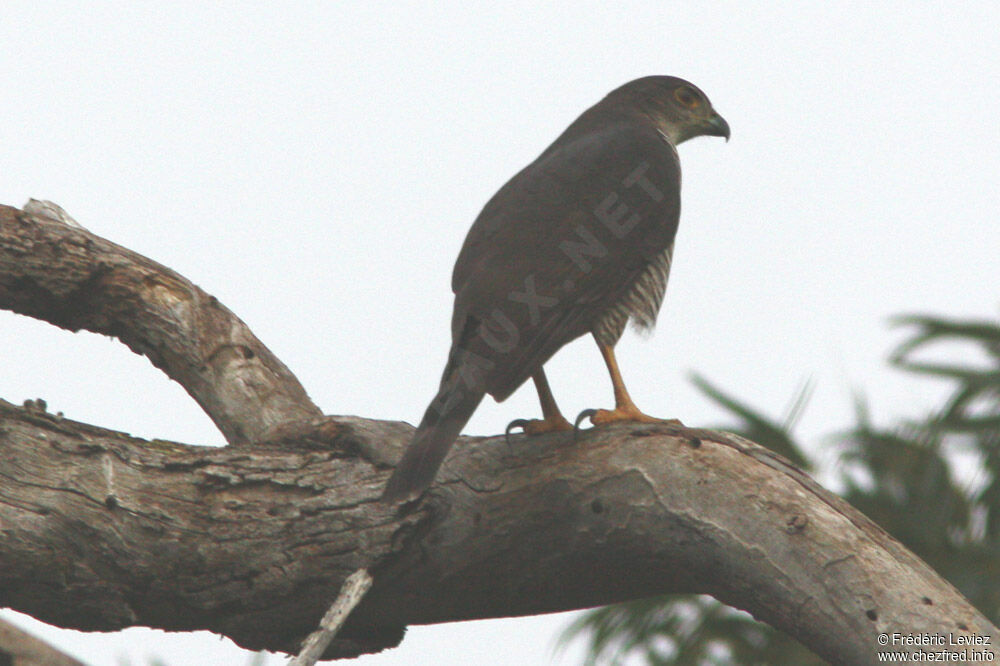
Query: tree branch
<point x="63" y="274"/>
<point x="103" y="530"/>
<point x="351" y="594"/>
<point x="20" y="648"/>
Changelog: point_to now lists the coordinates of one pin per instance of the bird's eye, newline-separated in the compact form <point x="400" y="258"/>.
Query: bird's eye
<point x="687" y="97"/>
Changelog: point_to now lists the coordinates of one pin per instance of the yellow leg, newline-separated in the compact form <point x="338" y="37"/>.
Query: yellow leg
<point x="625" y="409"/>
<point x="552" y="419"/>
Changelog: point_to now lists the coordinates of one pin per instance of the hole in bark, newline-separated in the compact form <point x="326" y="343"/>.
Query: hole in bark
<point x="247" y="352"/>
<point x="111" y="501"/>
<point x="796" y="523"/>
<point x="694" y="442"/>
<point x="962" y="626"/>
<point x="927" y="601"/>
<point x="477" y="518"/>
<point x="596" y="506"/>
<point x="872" y="615"/>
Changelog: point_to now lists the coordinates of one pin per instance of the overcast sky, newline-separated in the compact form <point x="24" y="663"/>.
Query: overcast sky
<point x="316" y="166"/>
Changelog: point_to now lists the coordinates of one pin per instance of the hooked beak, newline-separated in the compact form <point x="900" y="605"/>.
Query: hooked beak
<point x="717" y="126"/>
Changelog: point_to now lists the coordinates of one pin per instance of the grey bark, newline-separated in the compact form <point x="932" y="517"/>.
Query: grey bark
<point x="102" y="530"/>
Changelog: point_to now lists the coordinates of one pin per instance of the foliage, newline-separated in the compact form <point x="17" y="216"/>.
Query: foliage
<point x="904" y="477"/>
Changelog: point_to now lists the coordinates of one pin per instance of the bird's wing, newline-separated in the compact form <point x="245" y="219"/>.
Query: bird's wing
<point x="560" y="243"/>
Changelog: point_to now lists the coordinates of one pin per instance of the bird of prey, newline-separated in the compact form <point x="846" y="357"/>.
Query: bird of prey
<point x="579" y="241"/>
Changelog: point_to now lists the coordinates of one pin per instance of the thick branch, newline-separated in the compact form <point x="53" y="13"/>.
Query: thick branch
<point x="104" y="531"/>
<point x="67" y="276"/>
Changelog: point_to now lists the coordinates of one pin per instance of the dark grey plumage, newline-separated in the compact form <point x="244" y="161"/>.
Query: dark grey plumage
<point x="579" y="241"/>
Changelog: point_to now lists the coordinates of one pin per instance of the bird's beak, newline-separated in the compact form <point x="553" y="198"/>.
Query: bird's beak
<point x="717" y="126"/>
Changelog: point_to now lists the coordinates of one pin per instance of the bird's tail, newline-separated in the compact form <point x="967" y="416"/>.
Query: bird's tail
<point x="442" y="423"/>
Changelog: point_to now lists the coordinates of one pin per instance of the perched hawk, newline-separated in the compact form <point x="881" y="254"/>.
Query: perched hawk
<point x="578" y="242"/>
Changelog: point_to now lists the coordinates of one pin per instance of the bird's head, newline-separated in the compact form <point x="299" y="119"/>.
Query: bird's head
<point x="677" y="108"/>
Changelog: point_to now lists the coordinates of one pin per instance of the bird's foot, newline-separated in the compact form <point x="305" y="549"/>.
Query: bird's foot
<point x="629" y="413"/>
<point x="538" y="426"/>
<point x="549" y="424"/>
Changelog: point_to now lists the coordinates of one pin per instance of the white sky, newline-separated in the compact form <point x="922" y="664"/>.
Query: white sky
<point x="316" y="168"/>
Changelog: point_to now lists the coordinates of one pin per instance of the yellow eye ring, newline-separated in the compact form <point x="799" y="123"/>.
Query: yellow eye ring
<point x="687" y="97"/>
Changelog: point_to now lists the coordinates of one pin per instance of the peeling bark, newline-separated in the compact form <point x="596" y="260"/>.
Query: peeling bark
<point x="102" y="530"/>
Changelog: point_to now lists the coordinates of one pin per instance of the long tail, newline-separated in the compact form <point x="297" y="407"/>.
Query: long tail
<point x="442" y="423"/>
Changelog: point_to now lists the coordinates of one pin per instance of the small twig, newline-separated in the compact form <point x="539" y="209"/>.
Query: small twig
<point x="351" y="593"/>
<point x="20" y="647"/>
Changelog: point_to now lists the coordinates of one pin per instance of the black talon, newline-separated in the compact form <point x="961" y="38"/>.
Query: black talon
<point x="516" y="423"/>
<point x="587" y="413"/>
